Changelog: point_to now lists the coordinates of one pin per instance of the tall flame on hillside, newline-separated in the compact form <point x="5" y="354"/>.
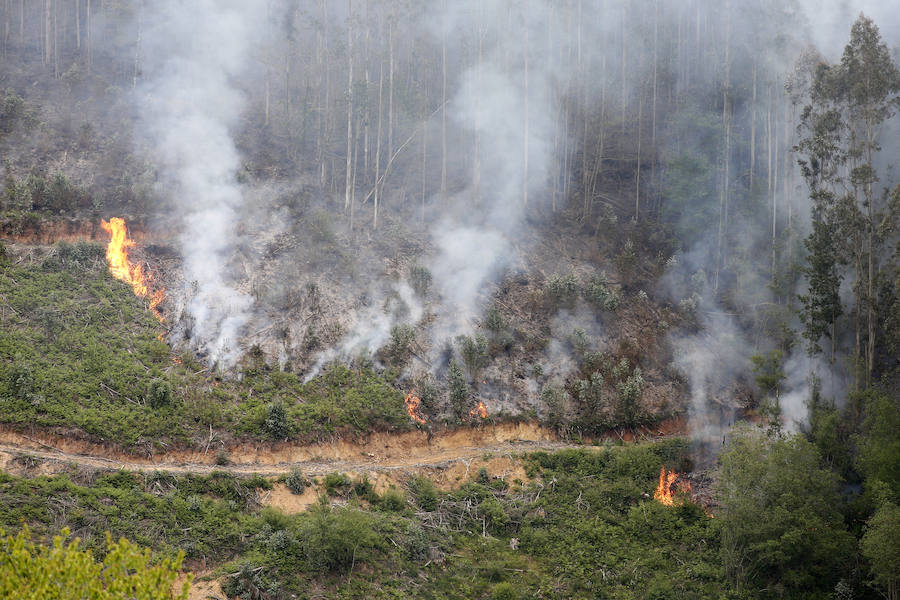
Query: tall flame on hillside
<point x="479" y="410"/>
<point x="412" y="407"/>
<point x="123" y="269"/>
<point x="664" y="492"/>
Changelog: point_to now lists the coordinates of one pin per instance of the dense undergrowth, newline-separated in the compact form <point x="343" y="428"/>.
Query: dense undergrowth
<point x="583" y="525"/>
<point x="80" y="350"/>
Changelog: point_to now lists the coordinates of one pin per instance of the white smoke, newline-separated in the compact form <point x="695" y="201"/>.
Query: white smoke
<point x="189" y="106"/>
<point x="506" y="99"/>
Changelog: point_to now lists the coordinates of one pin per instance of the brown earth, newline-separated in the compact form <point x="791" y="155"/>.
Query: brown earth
<point x="381" y="452"/>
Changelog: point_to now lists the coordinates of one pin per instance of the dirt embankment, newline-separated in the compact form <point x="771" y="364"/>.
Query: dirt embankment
<point x="381" y="452"/>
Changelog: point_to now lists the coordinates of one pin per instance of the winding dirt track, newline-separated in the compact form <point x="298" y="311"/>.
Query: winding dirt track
<point x="381" y="453"/>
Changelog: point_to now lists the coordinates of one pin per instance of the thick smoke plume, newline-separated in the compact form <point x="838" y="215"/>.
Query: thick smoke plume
<point x="508" y="100"/>
<point x="189" y="107"/>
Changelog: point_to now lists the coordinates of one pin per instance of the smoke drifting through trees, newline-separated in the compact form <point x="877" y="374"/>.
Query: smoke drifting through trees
<point x="478" y="125"/>
<point x="188" y="107"/>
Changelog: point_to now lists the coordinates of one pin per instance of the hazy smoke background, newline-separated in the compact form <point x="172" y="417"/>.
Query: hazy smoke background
<point x="507" y="92"/>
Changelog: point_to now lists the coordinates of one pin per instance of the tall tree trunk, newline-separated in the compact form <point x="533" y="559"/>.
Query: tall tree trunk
<point x="476" y="159"/>
<point x="78" y="24"/>
<point x="48" y="46"/>
<point x="655" y="61"/>
<point x="137" y="49"/>
<point x="378" y="138"/>
<point x="424" y="164"/>
<point x="367" y="117"/>
<point x="775" y="196"/>
<point x="56" y="38"/>
<point x="722" y="253"/>
<point x="349" y="105"/>
<point x="90" y="36"/>
<point x="444" y="111"/>
<point x="525" y="144"/>
<point x="624" y="69"/>
<point x="753" y="128"/>
<point x="637" y="178"/>
<point x="390" y="128"/>
<point x="326" y="104"/>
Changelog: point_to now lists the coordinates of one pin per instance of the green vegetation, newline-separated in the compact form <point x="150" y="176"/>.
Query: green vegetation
<point x="80" y="350"/>
<point x="29" y="571"/>
<point x="583" y="525"/>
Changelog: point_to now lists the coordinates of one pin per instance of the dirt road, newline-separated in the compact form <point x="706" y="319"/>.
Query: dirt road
<point x="380" y="453"/>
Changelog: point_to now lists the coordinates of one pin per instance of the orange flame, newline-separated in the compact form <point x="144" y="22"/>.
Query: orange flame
<point x="412" y="407"/>
<point x="664" y="493"/>
<point x="122" y="268"/>
<point x="479" y="410"/>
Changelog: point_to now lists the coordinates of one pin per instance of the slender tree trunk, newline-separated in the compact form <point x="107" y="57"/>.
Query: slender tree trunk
<point x="390" y="127"/>
<point x="378" y="139"/>
<point x="48" y="45"/>
<point x="367" y="117"/>
<point x="769" y="137"/>
<point x="476" y="162"/>
<point x="726" y="125"/>
<point x="78" y="24"/>
<point x="424" y="164"/>
<point x="870" y="267"/>
<point x="525" y="144"/>
<point x="56" y="38"/>
<point x="349" y="106"/>
<point x="624" y="69"/>
<point x="137" y="49"/>
<point x="444" y="113"/>
<point x="655" y="61"/>
<point x="753" y="128"/>
<point x="775" y="197"/>
<point x="326" y="104"/>
<point x="90" y="36"/>
<point x="637" y="178"/>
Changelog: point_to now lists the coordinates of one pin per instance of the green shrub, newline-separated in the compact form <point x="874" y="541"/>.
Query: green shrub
<point x="295" y="481"/>
<point x="159" y="393"/>
<point x="494" y="321"/>
<point x="399" y="348"/>
<point x="420" y="279"/>
<point x="459" y="389"/>
<point x="337" y="484"/>
<point x="333" y="539"/>
<point x="504" y="591"/>
<point x="276" y="423"/>
<point x="424" y="493"/>
<point x="415" y="542"/>
<point x="473" y="350"/>
<point x="393" y="500"/>
<point x="562" y="289"/>
<point x="598" y="293"/>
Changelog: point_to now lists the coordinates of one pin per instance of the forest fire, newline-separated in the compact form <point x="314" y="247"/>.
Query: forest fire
<point x="664" y="493"/>
<point x="412" y="407"/>
<point x="479" y="410"/>
<point x="123" y="269"/>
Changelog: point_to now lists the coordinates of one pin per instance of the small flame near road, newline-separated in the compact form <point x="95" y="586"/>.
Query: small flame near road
<point x="664" y="493"/>
<point x="480" y="411"/>
<point x="123" y="269"/>
<point x="412" y="407"/>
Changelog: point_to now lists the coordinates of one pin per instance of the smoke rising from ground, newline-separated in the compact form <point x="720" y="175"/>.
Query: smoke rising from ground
<point x="513" y="67"/>
<point x="189" y="108"/>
